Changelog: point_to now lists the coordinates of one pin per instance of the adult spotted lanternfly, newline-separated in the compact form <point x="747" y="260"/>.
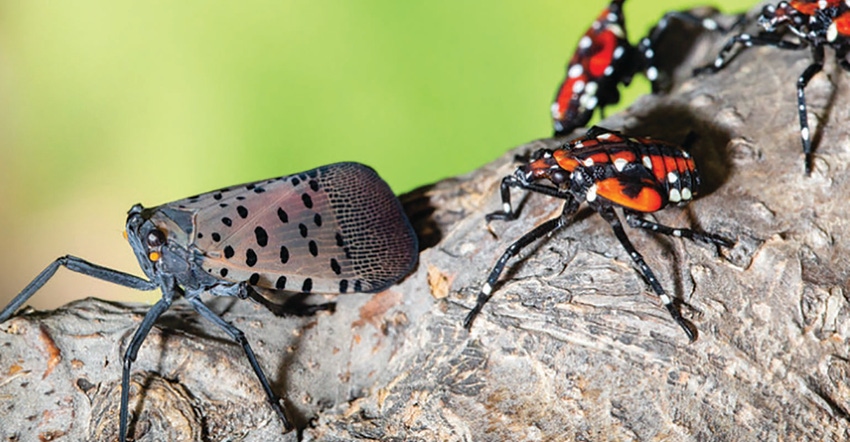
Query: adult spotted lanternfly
<point x="605" y="169"/>
<point x="603" y="60"/>
<point x="334" y="229"/>
<point x="815" y="23"/>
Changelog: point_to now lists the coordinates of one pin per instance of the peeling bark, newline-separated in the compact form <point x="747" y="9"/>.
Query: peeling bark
<point x="573" y="345"/>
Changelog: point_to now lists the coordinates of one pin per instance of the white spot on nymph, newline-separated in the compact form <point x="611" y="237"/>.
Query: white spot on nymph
<point x="578" y="145"/>
<point x="575" y="70"/>
<point x="804" y="132"/>
<point x="556" y="111"/>
<point x="585" y="42"/>
<point x="591" y="88"/>
<point x="649" y="53"/>
<point x="686" y="193"/>
<point x="686" y="155"/>
<point x="677" y="232"/>
<point x="652" y="73"/>
<point x="831" y="32"/>
<point x="578" y="86"/>
<point x="608" y="70"/>
<point x="618" y="52"/>
<point x="589" y="102"/>
<point x="612" y="17"/>
<point x="718" y="63"/>
<point x="665" y="299"/>
<point x="486" y="289"/>
<point x="709" y="24"/>
<point x="620" y="164"/>
<point x="617" y="30"/>
<point x="672" y="177"/>
<point x="647" y="162"/>
<point x="604" y="136"/>
<point x="675" y="197"/>
<point x="591" y="194"/>
<point x="506" y="207"/>
<point x="588" y="162"/>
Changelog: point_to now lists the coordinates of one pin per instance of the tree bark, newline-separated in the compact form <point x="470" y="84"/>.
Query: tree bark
<point x="573" y="345"/>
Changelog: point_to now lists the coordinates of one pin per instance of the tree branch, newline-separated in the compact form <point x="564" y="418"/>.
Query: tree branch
<point x="572" y="345"/>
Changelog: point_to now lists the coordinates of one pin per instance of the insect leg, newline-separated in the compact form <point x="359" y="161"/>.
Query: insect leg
<point x="80" y="266"/>
<point x="293" y="306"/>
<point x="636" y="221"/>
<point x="507" y="213"/>
<point x="132" y="351"/>
<point x="611" y="216"/>
<point x="540" y="231"/>
<point x="747" y="40"/>
<point x="805" y="134"/>
<point x="238" y="336"/>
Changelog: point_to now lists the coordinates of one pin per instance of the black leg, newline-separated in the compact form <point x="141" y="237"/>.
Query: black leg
<point x="80" y="266"/>
<point x="802" y="82"/>
<point x="238" y="336"/>
<point x="611" y="216"/>
<point x="636" y="221"/>
<point x="540" y="231"/>
<point x="294" y="304"/>
<point x="507" y="213"/>
<point x="747" y="40"/>
<point x="132" y="351"/>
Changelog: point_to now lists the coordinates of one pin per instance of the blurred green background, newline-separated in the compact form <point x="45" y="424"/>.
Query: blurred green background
<point x="105" y="104"/>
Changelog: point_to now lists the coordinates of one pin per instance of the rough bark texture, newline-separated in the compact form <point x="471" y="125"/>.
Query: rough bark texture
<point x="573" y="345"/>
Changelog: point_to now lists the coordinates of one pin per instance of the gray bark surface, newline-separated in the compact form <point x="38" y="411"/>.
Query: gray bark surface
<point x="573" y="345"/>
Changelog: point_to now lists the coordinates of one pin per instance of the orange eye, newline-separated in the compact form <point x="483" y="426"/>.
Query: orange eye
<point x="124" y="234"/>
<point x="154" y="256"/>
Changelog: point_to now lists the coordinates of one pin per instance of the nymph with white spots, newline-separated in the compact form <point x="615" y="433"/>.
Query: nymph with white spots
<point x="334" y="229"/>
<point x="606" y="170"/>
<point x="603" y="60"/>
<point x="815" y="24"/>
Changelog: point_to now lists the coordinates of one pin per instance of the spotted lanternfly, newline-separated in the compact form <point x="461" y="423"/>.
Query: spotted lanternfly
<point x="606" y="170"/>
<point x="815" y="24"/>
<point x="334" y="229"/>
<point x="603" y="60"/>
